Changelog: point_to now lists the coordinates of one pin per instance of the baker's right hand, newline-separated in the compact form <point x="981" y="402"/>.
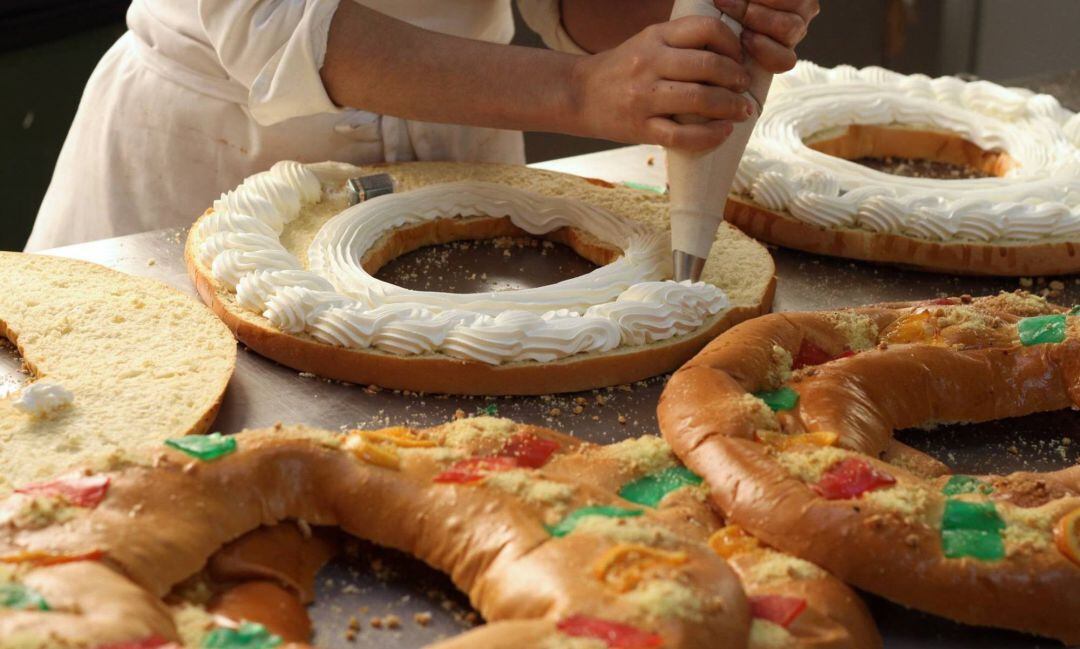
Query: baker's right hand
<point x="689" y="66"/>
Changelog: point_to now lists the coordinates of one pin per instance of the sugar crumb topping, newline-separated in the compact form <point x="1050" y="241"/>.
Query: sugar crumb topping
<point x="666" y="598"/>
<point x="646" y="454"/>
<point x="769" y="635"/>
<point x="781" y="567"/>
<point x="531" y="489"/>
<point x="859" y="330"/>
<point x="626" y="530"/>
<point x="473" y="431"/>
<point x="809" y="464"/>
<point x="910" y="501"/>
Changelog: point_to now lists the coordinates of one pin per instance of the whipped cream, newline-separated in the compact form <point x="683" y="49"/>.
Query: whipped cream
<point x="627" y="302"/>
<point x="43" y="398"/>
<point x="1036" y="200"/>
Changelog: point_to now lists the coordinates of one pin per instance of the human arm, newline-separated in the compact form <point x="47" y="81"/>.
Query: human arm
<point x="772" y="27"/>
<point x="376" y="63"/>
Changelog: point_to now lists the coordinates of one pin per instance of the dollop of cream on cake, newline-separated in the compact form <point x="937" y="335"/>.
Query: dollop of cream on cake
<point x="43" y="399"/>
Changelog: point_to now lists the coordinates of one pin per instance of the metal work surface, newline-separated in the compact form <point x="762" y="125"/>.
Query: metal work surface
<point x="375" y="583"/>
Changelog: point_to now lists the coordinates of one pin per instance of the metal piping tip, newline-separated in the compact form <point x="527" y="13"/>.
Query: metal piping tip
<point x="687" y="266"/>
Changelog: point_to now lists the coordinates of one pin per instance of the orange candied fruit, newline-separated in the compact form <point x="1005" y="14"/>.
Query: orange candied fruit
<point x="914" y="328"/>
<point x="731" y="540"/>
<point x="396" y="435"/>
<point x="1067" y="535"/>
<point x="380" y="455"/>
<point x="627" y="564"/>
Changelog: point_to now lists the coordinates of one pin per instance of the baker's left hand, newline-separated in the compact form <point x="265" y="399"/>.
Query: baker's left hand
<point x="772" y="28"/>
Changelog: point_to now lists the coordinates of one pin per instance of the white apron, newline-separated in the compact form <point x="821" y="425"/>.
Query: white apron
<point x="200" y="94"/>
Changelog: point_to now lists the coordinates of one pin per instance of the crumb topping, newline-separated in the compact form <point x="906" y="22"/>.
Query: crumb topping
<point x="768" y="635"/>
<point x="781" y="567"/>
<point x="1029" y="529"/>
<point x="532" y="490"/>
<point x="626" y="530"/>
<point x="909" y="501"/>
<point x="567" y="642"/>
<point x="666" y="598"/>
<point x="809" y="463"/>
<point x="761" y="416"/>
<point x="36" y="512"/>
<point x="779" y="367"/>
<point x="859" y="330"/>
<point x="474" y="431"/>
<point x="646" y="454"/>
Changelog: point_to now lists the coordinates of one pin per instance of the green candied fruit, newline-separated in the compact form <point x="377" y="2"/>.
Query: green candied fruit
<point x="985" y="546"/>
<point x="490" y="410"/>
<point x="248" y="635"/>
<point x="22" y="598"/>
<point x="965" y="484"/>
<point x="1042" y="329"/>
<point x="567" y="525"/>
<point x="645" y="187"/>
<point x="961" y="515"/>
<point x="972" y="530"/>
<point x="783" y="399"/>
<point x="204" y="447"/>
<point x="1074" y="311"/>
<point x="651" y="489"/>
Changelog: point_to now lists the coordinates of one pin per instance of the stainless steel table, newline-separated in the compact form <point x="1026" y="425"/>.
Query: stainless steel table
<point x="375" y="582"/>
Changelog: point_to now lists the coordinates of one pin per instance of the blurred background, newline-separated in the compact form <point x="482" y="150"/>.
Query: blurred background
<point x="48" y="49"/>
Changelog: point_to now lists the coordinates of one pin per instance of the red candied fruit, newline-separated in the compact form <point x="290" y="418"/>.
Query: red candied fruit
<point x="530" y="451"/>
<point x="475" y="468"/>
<point x="615" y="634"/>
<point x="851" y="478"/>
<point x="810" y="354"/>
<point x="79" y="490"/>
<point x="777" y="609"/>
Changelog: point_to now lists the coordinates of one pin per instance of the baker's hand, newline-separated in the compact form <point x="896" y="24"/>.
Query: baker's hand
<point x="689" y="66"/>
<point x="772" y="28"/>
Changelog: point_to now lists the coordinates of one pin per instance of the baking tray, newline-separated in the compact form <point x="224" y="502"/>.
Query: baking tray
<point x="373" y="582"/>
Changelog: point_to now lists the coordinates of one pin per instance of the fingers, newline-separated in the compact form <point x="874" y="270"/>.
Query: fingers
<point x="710" y="102"/>
<point x="703" y="66"/>
<point x="700" y="32"/>
<point x="691" y="137"/>
<point x="785" y="27"/>
<point x="807" y="9"/>
<point x="772" y="56"/>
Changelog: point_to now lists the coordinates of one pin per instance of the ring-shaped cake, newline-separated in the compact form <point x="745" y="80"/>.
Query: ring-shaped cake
<point x="290" y="266"/>
<point x="798" y="185"/>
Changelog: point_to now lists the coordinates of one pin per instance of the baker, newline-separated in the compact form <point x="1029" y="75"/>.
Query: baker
<point x="198" y="95"/>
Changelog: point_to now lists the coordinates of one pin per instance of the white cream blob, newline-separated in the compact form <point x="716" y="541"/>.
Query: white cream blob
<point x="43" y="399"/>
<point x="1038" y="199"/>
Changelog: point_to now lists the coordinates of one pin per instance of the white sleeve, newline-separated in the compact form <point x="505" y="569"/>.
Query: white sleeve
<point x="275" y="48"/>
<point x="544" y="18"/>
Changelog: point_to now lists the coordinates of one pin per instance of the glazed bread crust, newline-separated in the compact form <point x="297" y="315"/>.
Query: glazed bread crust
<point x="161" y="522"/>
<point x="876" y="370"/>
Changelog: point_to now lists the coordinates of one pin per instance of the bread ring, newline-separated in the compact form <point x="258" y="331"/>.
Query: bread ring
<point x="807" y="478"/>
<point x="523" y="519"/>
<point x="114" y="359"/>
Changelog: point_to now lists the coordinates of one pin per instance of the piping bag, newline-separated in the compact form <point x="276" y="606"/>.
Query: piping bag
<point x="699" y="182"/>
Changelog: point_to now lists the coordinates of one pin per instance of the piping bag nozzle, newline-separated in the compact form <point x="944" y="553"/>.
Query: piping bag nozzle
<point x="686" y="266"/>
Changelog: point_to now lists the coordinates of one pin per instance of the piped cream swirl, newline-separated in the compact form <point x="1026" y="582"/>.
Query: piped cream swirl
<point x="1038" y="199"/>
<point x="627" y="302"/>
